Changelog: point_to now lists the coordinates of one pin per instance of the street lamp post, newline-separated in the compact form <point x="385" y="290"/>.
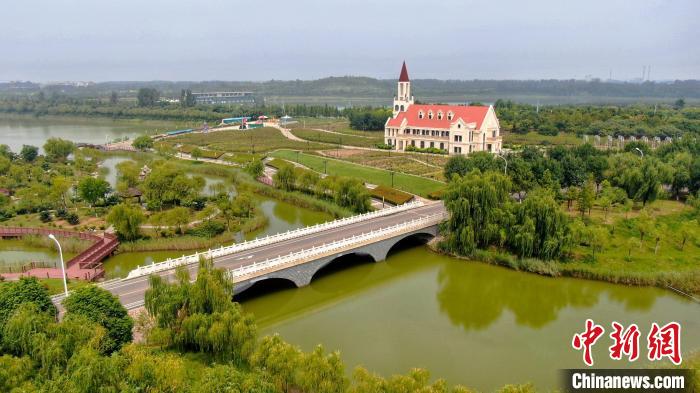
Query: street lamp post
<point x="505" y="170"/>
<point x="63" y="268"/>
<point x="640" y="151"/>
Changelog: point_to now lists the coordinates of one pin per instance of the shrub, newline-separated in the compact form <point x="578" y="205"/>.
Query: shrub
<point x="45" y="216"/>
<point x="207" y="229"/>
<point x="73" y="219"/>
<point x="437" y="194"/>
<point x="391" y="195"/>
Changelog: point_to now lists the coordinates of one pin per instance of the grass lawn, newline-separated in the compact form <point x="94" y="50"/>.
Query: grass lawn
<point x="620" y="259"/>
<point x="340" y="125"/>
<point x="533" y="138"/>
<point x="258" y="140"/>
<point x="328" y="137"/>
<point x="55" y="285"/>
<point x="413" y="184"/>
<point x="425" y="165"/>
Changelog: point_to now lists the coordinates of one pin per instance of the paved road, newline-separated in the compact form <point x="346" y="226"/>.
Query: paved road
<point x="131" y="291"/>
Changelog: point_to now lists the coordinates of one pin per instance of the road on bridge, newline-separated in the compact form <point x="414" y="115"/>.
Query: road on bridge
<point x="131" y="291"/>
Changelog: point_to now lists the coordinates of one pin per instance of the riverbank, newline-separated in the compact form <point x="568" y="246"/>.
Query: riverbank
<point x="685" y="283"/>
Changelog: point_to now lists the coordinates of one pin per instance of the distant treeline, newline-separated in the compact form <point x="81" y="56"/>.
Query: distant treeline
<point x="639" y="120"/>
<point x="354" y="87"/>
<point x="65" y="105"/>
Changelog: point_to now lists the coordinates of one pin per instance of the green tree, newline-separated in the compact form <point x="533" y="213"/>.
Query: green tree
<point x="285" y="178"/>
<point x="321" y="373"/>
<point x="103" y="308"/>
<point x="58" y="149"/>
<point x="352" y="193"/>
<point x="187" y="99"/>
<point x="25" y="290"/>
<point x="147" y="97"/>
<point x="29" y="153"/>
<point x="143" y="142"/>
<point x="679" y="104"/>
<point x="540" y="228"/>
<point x="255" y="168"/>
<point x="177" y="217"/>
<point x="479" y="206"/>
<point x="227" y="379"/>
<point x="126" y="220"/>
<point x="196" y="153"/>
<point x="278" y="359"/>
<point x="686" y="231"/>
<point x="586" y="198"/>
<point x="645" y="224"/>
<point x="461" y="165"/>
<point x="201" y="315"/>
<point x="92" y="189"/>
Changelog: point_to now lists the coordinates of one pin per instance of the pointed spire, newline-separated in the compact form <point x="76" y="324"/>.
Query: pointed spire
<point x="404" y="73"/>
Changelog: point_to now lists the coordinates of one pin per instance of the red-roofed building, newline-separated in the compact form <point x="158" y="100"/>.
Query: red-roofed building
<point x="457" y="129"/>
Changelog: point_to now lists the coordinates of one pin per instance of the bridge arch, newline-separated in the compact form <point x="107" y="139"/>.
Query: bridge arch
<point x="342" y="261"/>
<point x="264" y="285"/>
<point x="420" y="237"/>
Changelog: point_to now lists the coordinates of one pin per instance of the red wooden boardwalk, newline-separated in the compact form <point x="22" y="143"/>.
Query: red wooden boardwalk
<point x="85" y="266"/>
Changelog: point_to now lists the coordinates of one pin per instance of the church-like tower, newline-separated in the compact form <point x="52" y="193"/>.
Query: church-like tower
<point x="403" y="94"/>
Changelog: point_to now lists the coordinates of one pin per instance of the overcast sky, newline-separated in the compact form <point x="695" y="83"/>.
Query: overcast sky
<point x="49" y="40"/>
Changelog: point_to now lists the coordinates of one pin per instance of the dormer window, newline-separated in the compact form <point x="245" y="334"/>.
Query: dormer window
<point x="450" y="115"/>
<point x="440" y="115"/>
<point x="459" y="126"/>
<point x="420" y="114"/>
<point x="430" y="115"/>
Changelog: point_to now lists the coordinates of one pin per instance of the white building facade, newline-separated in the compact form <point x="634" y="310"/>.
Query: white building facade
<point x="456" y="129"/>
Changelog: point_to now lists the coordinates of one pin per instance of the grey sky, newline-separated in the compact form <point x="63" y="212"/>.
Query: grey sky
<point x="44" y="40"/>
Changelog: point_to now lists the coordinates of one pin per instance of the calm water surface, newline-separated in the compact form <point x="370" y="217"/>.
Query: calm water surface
<point x="470" y="323"/>
<point x="18" y="132"/>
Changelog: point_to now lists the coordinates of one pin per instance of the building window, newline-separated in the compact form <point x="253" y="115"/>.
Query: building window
<point x="420" y="114"/>
<point x="459" y="126"/>
<point x="430" y="115"/>
<point x="493" y="134"/>
<point x="458" y="138"/>
<point x="422" y="144"/>
<point x="442" y="146"/>
<point x="401" y="108"/>
<point x="458" y="150"/>
<point x="488" y="147"/>
<point x="440" y="115"/>
<point x="396" y="107"/>
<point x="450" y="115"/>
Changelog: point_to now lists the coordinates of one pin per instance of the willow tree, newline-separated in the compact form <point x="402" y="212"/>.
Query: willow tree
<point x="540" y="228"/>
<point x="201" y="315"/>
<point x="480" y="207"/>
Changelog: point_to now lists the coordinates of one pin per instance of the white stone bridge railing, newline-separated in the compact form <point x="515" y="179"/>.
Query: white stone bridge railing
<point x="295" y="258"/>
<point x="270" y="239"/>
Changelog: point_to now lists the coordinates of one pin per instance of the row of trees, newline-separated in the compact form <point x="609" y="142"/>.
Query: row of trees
<point x="676" y="166"/>
<point x="346" y="192"/>
<point x="635" y="120"/>
<point x="483" y="214"/>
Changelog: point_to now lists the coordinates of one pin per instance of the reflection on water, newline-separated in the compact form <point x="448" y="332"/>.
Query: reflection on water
<point x="471" y="323"/>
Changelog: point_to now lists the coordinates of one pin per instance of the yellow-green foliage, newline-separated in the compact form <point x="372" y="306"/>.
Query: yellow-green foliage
<point x="391" y="195"/>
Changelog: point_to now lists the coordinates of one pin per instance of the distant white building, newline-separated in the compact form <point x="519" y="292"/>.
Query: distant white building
<point x="225" y="97"/>
<point x="457" y="129"/>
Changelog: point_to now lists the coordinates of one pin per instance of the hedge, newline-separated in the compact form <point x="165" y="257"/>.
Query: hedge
<point x="391" y="195"/>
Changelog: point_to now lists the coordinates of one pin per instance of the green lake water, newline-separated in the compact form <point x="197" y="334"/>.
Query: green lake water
<point x="470" y="323"/>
